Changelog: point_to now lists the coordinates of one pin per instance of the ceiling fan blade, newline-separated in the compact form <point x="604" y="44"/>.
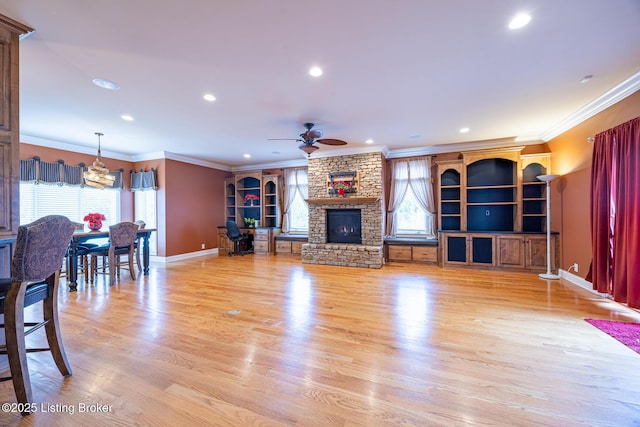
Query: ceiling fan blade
<point x="330" y="141"/>
<point x="284" y="139"/>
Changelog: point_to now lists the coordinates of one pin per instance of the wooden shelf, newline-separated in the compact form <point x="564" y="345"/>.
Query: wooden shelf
<point x="490" y="203"/>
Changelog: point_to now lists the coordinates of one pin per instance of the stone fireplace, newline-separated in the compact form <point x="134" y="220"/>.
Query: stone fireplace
<point x="367" y="251"/>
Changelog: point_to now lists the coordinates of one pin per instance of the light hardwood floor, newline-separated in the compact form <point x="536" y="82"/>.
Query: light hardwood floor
<point x="334" y="346"/>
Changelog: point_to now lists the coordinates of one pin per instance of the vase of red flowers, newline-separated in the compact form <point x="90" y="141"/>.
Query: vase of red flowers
<point x="251" y="198"/>
<point x="94" y="220"/>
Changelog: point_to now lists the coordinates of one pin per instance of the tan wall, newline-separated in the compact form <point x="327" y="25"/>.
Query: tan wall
<point x="194" y="206"/>
<point x="571" y="158"/>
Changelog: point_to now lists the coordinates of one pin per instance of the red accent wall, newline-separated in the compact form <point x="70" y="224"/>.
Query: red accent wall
<point x="190" y="197"/>
<point x="46" y="154"/>
<point x="193" y="206"/>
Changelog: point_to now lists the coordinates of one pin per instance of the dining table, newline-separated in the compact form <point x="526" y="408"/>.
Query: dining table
<point x="81" y="236"/>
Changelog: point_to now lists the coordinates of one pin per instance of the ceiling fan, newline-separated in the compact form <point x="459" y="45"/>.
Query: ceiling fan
<point x="310" y="137"/>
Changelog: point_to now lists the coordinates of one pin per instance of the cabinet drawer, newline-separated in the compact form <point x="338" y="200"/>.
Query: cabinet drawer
<point x="261" y="246"/>
<point x="262" y="234"/>
<point x="296" y="247"/>
<point x="283" y="247"/>
<point x="399" y="253"/>
<point x="425" y="254"/>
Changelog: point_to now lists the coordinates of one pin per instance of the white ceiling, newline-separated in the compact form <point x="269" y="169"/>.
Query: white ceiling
<point x="407" y="73"/>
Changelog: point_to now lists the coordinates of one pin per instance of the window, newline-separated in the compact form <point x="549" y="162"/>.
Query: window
<point x="298" y="215"/>
<point x="411" y="218"/>
<point x="411" y="206"/>
<point x="296" y="211"/>
<point x="38" y="200"/>
<point x="145" y="210"/>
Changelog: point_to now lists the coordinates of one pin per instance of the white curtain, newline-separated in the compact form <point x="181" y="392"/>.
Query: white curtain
<point x="295" y="181"/>
<point x="414" y="173"/>
<point x="421" y="183"/>
<point x="399" y="185"/>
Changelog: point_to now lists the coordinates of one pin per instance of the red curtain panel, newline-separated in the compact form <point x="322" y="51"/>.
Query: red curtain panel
<point x="615" y="213"/>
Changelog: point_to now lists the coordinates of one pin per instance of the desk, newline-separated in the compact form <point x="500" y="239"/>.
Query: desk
<point x="83" y="236"/>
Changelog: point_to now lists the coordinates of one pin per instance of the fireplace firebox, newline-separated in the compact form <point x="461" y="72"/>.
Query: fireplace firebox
<point x="344" y="226"/>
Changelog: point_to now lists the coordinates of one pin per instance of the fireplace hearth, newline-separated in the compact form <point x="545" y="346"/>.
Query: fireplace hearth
<point x="344" y="226"/>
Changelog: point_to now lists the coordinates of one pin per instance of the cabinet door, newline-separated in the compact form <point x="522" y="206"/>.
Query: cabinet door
<point x="455" y="250"/>
<point x="224" y="244"/>
<point x="510" y="251"/>
<point x="482" y="249"/>
<point x="536" y="252"/>
<point x="296" y="248"/>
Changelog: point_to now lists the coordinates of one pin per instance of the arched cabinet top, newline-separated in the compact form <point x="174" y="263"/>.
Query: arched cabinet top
<point x="512" y="153"/>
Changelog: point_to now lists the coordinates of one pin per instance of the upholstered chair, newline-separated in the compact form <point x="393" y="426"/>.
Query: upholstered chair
<point x="122" y="237"/>
<point x="35" y="272"/>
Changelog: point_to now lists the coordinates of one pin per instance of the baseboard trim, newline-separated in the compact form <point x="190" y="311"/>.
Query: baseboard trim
<point x="181" y="257"/>
<point x="579" y="281"/>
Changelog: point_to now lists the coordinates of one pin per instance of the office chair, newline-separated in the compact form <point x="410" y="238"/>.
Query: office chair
<point x="35" y="275"/>
<point x="237" y="237"/>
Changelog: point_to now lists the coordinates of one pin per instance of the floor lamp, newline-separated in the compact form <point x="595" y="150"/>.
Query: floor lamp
<point x="548" y="179"/>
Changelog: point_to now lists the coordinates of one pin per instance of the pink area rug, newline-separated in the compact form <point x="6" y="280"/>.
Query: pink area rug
<point x="626" y="332"/>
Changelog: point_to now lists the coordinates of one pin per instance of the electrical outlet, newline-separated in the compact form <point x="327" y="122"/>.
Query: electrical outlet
<point x="203" y="246"/>
<point x="575" y="267"/>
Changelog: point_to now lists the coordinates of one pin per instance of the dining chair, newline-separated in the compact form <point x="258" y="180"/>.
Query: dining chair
<point x="82" y="251"/>
<point x="35" y="274"/>
<point x="122" y="237"/>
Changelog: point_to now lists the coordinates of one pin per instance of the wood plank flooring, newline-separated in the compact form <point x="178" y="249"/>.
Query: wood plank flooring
<point x="268" y="341"/>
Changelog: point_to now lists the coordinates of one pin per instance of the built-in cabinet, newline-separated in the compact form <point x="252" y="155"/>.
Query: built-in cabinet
<point x="408" y="252"/>
<point x="501" y="250"/>
<point x="492" y="210"/>
<point x="252" y="201"/>
<point x="10" y="30"/>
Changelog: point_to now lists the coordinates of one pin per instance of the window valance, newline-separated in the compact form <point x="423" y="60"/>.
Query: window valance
<point x="58" y="173"/>
<point x="144" y="181"/>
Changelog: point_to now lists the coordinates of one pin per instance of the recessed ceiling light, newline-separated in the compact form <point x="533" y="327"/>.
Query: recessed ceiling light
<point x="464" y="130"/>
<point x="519" y="21"/>
<point x="209" y="97"/>
<point x="414" y="136"/>
<point x="126" y="117"/>
<point x="586" y="79"/>
<point x="275" y="153"/>
<point x="369" y="141"/>
<point x="247" y="156"/>
<point x="106" y="84"/>
<point x="315" y="71"/>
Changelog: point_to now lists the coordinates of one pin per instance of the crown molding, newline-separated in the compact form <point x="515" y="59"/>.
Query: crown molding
<point x="350" y="151"/>
<point x="180" y="158"/>
<point x="606" y="100"/>
<point x="65" y="146"/>
<point x="509" y="142"/>
<point x="271" y="165"/>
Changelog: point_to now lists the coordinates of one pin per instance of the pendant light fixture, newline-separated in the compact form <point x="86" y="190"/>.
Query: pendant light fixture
<point x="97" y="175"/>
